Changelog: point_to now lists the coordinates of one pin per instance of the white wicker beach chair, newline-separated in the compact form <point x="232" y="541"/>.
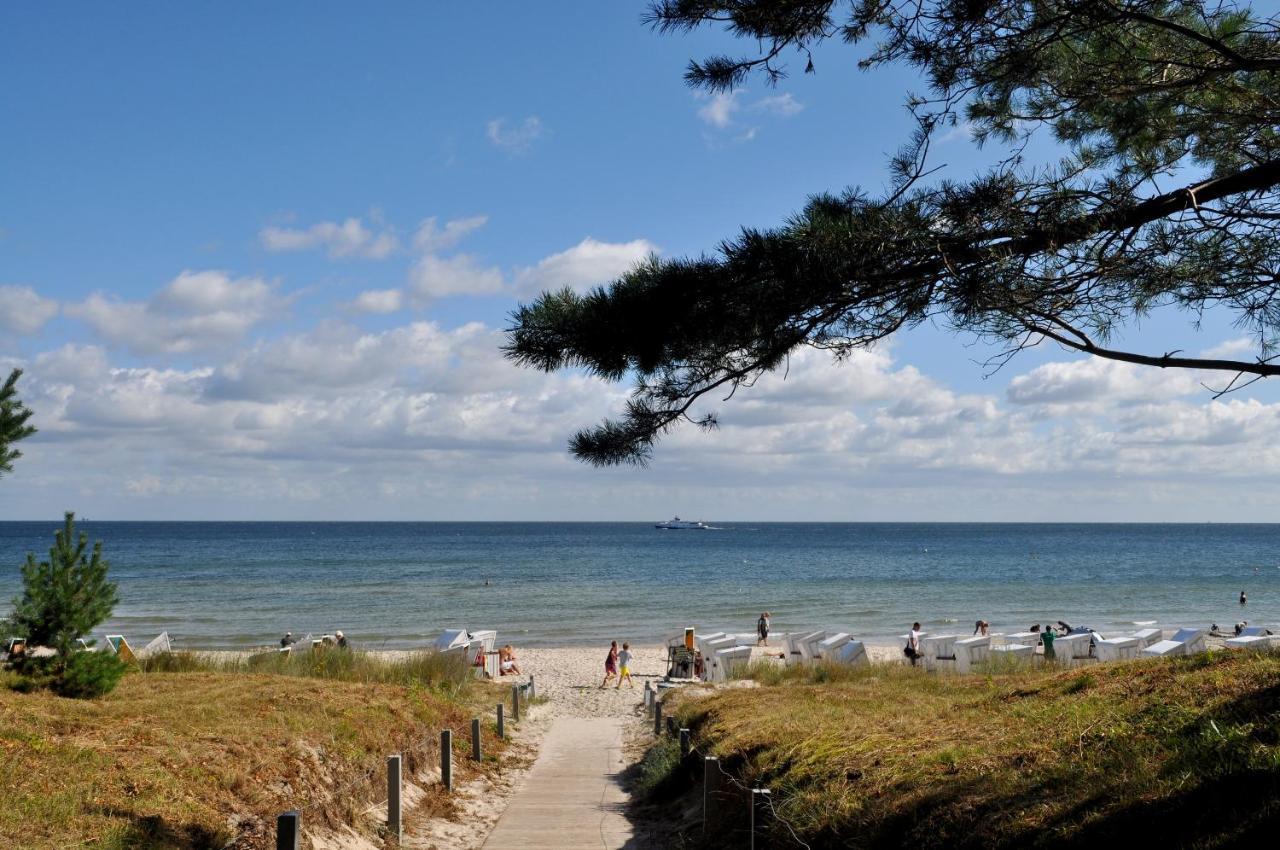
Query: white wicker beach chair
<point x="971" y="651"/>
<point x="938" y="650"/>
<point x="808" y="645"/>
<point x="1253" y="631"/>
<point x="853" y="653"/>
<point x="1031" y="639"/>
<point x="1018" y="652"/>
<point x="159" y="646"/>
<point x="711" y="656"/>
<point x="1183" y="642"/>
<point x="1146" y="637"/>
<point x="730" y="661"/>
<point x="1072" y="649"/>
<point x="829" y="648"/>
<point x="1251" y="642"/>
<point x="1117" y="649"/>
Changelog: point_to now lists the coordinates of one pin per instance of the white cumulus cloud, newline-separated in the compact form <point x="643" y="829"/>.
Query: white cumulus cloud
<point x="193" y="312"/>
<point x="431" y="237"/>
<point x="378" y="301"/>
<point x="349" y="238"/>
<point x="435" y="277"/>
<point x="23" y="310"/>
<point x="586" y="264"/>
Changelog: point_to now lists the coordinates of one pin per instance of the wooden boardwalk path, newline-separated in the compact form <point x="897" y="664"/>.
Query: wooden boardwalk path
<point x="572" y="797"/>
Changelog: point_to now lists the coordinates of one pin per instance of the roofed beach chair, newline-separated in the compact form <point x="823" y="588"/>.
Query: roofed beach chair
<point x="1072" y="649"/>
<point x="700" y="641"/>
<point x="971" y="651"/>
<point x="1183" y="642"/>
<point x="161" y="645"/>
<point x="1117" y="649"/>
<point x="853" y="653"/>
<point x="1253" y="631"/>
<point x="121" y="648"/>
<point x="1017" y="653"/>
<point x="1031" y="639"/>
<point x="938" y="650"/>
<point x="731" y="661"/>
<point x="710" y="656"/>
<point x="1250" y="642"/>
<point x="829" y="648"/>
<point x="1149" y="636"/>
<point x="808" y="646"/>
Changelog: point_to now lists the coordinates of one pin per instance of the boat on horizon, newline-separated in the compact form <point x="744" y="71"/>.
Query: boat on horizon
<point x="681" y="524"/>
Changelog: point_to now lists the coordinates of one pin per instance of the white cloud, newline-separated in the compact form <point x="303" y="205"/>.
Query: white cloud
<point x="1240" y="348"/>
<point x="1094" y="381"/>
<point x="431" y="238"/>
<point x="719" y="109"/>
<point x="782" y="105"/>
<point x="349" y="238"/>
<point x="462" y="274"/>
<point x="515" y="139"/>
<point x="586" y="264"/>
<point x="23" y="310"/>
<point x="378" y="301"/>
<point x="195" y="311"/>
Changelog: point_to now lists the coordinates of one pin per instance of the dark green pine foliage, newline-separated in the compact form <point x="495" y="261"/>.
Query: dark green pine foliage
<point x="1161" y="194"/>
<point x="65" y="597"/>
<point x="13" y="422"/>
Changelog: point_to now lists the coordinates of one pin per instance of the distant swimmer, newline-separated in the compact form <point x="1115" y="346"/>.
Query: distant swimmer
<point x="1243" y="599"/>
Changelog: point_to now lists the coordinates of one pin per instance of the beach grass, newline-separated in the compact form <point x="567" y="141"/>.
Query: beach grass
<point x="1178" y="753"/>
<point x="193" y="757"/>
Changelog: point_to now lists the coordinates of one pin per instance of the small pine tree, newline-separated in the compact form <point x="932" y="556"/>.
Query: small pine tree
<point x="13" y="421"/>
<point x="64" y="597"/>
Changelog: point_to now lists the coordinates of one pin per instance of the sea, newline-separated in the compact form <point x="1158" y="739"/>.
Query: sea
<point x="237" y="585"/>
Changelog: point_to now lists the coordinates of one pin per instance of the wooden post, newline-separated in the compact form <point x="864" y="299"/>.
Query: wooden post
<point x="759" y="817"/>
<point x="685" y="743"/>
<point x="710" y="787"/>
<point x="533" y="691"/>
<point x="648" y="698"/>
<point x="475" y="738"/>
<point x="446" y="759"/>
<point x="289" y="830"/>
<point x="515" y="703"/>
<point x="394" y="787"/>
<point x="502" y="732"/>
<point x="657" y="718"/>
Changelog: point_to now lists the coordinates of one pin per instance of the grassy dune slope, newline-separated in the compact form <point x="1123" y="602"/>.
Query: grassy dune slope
<point x="196" y="759"/>
<point x="1180" y="753"/>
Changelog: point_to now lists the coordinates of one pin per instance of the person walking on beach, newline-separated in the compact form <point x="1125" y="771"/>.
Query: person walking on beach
<point x="912" y="649"/>
<point x="624" y="666"/>
<point x="762" y="629"/>
<point x="610" y="663"/>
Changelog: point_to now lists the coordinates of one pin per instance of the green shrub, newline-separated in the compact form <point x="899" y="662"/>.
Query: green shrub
<point x="88" y="675"/>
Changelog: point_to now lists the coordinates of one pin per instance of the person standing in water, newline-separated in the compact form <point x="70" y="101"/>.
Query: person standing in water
<point x="1243" y="599"/>
<point x="762" y="629"/>
<point x="610" y="663"/>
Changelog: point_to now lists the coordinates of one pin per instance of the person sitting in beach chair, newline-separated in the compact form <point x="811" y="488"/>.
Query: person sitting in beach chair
<point x="507" y="662"/>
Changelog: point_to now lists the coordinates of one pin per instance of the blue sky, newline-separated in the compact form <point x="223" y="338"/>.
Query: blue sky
<point x="218" y="272"/>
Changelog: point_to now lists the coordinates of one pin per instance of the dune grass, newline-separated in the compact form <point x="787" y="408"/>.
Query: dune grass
<point x="197" y="758"/>
<point x="1178" y="753"/>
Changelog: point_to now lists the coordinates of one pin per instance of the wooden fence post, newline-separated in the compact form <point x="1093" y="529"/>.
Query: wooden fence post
<point x="710" y="786"/>
<point x="657" y="718"/>
<point x="685" y="743"/>
<point x="515" y="703"/>
<point x="289" y="830"/>
<point x="475" y="738"/>
<point x="502" y="732"/>
<point x="394" y="787"/>
<point x="446" y="759"/>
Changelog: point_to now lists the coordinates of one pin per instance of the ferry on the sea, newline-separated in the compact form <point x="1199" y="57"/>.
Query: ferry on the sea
<point x="681" y="524"/>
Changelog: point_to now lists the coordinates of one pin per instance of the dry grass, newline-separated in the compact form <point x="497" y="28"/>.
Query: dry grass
<point x="1182" y="753"/>
<point x="197" y="759"/>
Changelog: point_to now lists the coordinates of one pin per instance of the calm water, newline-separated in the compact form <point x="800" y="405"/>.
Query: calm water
<point x="398" y="584"/>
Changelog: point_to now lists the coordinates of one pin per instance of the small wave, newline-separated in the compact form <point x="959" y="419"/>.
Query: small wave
<point x="1144" y="622"/>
